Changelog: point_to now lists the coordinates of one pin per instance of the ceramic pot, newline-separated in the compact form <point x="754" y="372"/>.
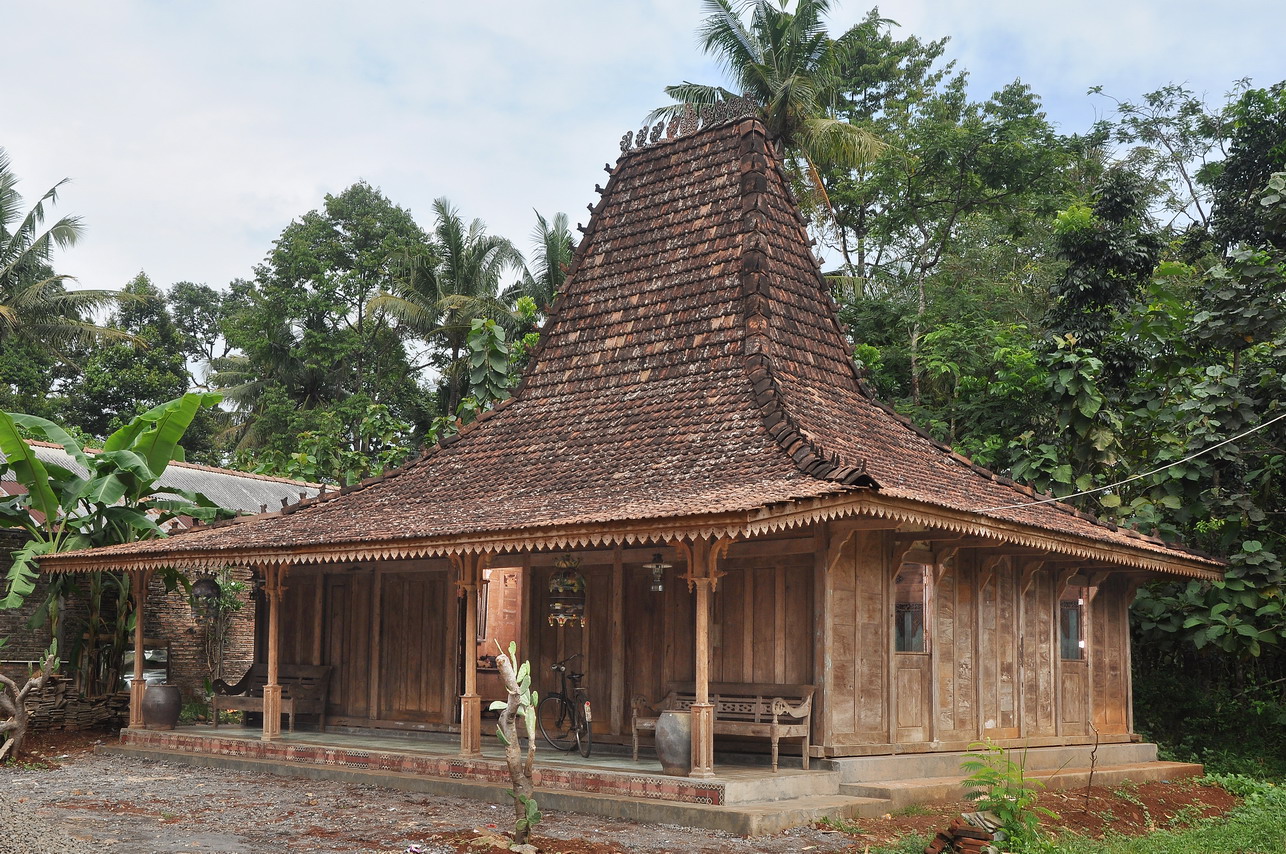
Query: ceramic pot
<point x="674" y="742"/>
<point x="161" y="706"/>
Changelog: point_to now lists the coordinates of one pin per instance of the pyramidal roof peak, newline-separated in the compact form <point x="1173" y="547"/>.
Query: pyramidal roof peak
<point x="692" y="368"/>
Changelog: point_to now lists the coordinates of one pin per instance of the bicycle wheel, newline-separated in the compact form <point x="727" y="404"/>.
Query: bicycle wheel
<point x="584" y="731"/>
<point x="557" y="721"/>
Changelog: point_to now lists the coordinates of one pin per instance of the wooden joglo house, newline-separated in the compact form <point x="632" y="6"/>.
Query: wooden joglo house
<point x="694" y="398"/>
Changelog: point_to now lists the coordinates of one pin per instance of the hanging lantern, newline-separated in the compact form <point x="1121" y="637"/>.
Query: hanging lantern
<point x="658" y="568"/>
<point x="206" y="589"/>
<point x="567" y="593"/>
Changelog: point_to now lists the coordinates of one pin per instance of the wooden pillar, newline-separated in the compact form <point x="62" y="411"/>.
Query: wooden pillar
<point x="470" y="569"/>
<point x="138" y="585"/>
<point x="617" y="693"/>
<point x="703" y="577"/>
<point x="272" y="689"/>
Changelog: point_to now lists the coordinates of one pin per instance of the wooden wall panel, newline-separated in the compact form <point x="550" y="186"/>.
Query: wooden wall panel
<point x="1109" y="644"/>
<point x="797" y="622"/>
<point x="998" y="653"/>
<point x="299" y="619"/>
<point x="874" y="636"/>
<point x="645" y="623"/>
<point x="1073" y="698"/>
<point x="347" y="646"/>
<point x="415" y="652"/>
<point x="1007" y="691"/>
<point x="1037" y="643"/>
<point x="955" y="618"/>
<point x="843" y="663"/>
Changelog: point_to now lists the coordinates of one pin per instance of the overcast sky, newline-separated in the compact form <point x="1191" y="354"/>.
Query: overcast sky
<point x="195" y="132"/>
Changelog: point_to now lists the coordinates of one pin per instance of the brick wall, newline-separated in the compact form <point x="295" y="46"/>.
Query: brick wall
<point x="169" y="617"/>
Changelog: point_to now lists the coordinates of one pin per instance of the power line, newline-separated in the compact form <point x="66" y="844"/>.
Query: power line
<point x="1136" y="476"/>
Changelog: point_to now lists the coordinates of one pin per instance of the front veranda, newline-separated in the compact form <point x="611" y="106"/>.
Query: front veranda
<point x="917" y="639"/>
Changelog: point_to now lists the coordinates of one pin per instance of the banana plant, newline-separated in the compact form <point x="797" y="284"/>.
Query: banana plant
<point x="106" y="497"/>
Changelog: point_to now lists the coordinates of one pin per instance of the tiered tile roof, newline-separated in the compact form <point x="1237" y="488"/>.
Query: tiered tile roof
<point x="692" y="377"/>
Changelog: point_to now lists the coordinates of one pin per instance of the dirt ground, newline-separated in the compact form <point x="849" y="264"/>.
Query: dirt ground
<point x="119" y="805"/>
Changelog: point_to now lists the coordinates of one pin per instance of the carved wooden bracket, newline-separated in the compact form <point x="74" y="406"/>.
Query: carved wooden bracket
<point x="1064" y="577"/>
<point x="900" y="548"/>
<point x="941" y="555"/>
<point x="987" y="569"/>
<point x="711" y="552"/>
<point x="1027" y="575"/>
<point x="272" y="586"/>
<point x="1094" y="580"/>
<point x="469" y="567"/>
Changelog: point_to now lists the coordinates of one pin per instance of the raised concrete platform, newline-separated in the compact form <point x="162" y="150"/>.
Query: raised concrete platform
<point x="908" y="779"/>
<point x="744" y="797"/>
<point x="747" y="799"/>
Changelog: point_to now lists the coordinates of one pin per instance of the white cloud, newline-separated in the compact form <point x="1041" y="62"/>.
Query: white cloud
<point x="195" y="132"/>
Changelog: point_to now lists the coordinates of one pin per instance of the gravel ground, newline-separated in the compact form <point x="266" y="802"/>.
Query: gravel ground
<point x="99" y="803"/>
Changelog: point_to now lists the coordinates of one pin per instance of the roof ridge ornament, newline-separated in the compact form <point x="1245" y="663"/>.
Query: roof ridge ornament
<point x="690" y="121"/>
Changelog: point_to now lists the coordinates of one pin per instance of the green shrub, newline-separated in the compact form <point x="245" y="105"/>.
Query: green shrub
<point x="998" y="785"/>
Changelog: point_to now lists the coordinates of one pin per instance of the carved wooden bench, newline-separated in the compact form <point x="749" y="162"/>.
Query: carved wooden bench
<point x="740" y="708"/>
<point x="304" y="689"/>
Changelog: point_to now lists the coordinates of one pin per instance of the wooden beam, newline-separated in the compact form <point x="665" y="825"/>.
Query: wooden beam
<point x="617" y="695"/>
<point x="470" y="567"/>
<point x="936" y="537"/>
<point x="273" y="590"/>
<point x="822" y="628"/>
<point x="703" y="576"/>
<point x="139" y="579"/>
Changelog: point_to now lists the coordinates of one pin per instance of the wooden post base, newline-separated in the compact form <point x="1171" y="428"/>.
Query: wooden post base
<point x="470" y="725"/>
<point x="271" y="712"/>
<point x="702" y="740"/>
<point x="137" y="689"/>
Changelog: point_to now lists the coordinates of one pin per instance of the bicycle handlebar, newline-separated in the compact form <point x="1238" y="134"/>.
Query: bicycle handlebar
<point x="562" y="665"/>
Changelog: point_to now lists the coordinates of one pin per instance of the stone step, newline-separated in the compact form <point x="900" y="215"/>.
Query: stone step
<point x="785" y="785"/>
<point x="858" y="769"/>
<point x="756" y="818"/>
<point x="924" y="790"/>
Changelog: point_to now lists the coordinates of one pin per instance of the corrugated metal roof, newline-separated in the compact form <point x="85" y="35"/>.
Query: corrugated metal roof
<point x="233" y="490"/>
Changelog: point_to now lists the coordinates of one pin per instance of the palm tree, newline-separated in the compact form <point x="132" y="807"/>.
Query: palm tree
<point x="35" y="305"/>
<point x="439" y="297"/>
<point x="543" y="279"/>
<point x="790" y="66"/>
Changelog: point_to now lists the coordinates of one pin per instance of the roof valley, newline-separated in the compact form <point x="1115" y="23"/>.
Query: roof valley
<point x="756" y="304"/>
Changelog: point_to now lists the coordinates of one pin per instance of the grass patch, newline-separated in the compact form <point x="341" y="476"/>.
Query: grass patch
<point x="914" y="809"/>
<point x="1258" y="826"/>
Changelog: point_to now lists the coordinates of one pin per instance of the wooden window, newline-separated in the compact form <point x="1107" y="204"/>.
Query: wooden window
<point x="910" y="609"/>
<point x="1071" y="624"/>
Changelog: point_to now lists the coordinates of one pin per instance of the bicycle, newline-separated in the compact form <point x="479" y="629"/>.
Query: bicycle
<point x="565" y="721"/>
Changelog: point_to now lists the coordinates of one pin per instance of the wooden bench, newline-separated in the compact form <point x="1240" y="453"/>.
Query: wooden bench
<point x="740" y="708"/>
<point x="304" y="689"/>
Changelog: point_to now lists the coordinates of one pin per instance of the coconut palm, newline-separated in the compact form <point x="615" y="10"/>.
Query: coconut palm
<point x="552" y="243"/>
<point x="35" y="305"/>
<point x="439" y="297"/>
<point x="788" y="64"/>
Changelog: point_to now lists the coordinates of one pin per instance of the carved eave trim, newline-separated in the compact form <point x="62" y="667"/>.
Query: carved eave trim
<point x="858" y="502"/>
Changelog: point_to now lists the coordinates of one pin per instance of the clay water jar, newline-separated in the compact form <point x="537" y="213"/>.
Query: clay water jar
<point x="161" y="706"/>
<point x="674" y="742"/>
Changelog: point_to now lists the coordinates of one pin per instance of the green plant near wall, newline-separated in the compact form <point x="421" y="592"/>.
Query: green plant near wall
<point x="998" y="785"/>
